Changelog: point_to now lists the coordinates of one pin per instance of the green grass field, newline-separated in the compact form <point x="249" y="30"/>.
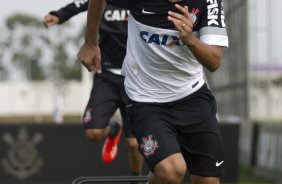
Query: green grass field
<point x="247" y="176"/>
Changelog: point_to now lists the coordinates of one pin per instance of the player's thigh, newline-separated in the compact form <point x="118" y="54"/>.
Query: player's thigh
<point x="102" y="104"/>
<point x="126" y="129"/>
<point x="156" y="137"/>
<point x="201" y="147"/>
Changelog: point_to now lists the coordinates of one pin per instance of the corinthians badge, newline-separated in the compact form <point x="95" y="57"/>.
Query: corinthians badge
<point x="149" y="145"/>
<point x="22" y="159"/>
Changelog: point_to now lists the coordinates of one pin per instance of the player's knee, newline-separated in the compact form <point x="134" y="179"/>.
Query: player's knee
<point x="171" y="173"/>
<point x="93" y="135"/>
<point x="172" y="176"/>
<point x="131" y="144"/>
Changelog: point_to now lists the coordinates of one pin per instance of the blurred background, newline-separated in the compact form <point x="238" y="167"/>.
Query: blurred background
<point x="44" y="89"/>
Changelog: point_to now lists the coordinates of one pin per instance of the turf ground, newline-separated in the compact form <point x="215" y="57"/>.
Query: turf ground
<point x="247" y="176"/>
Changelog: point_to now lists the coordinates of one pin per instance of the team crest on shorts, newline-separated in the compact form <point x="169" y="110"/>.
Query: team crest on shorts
<point x="87" y="117"/>
<point x="149" y="145"/>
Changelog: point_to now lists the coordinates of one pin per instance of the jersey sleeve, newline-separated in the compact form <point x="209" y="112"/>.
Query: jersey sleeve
<point x="70" y="10"/>
<point x="212" y="27"/>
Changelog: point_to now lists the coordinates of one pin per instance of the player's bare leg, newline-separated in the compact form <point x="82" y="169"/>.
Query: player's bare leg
<point x="95" y="135"/>
<point x="169" y="171"/>
<point x="135" y="158"/>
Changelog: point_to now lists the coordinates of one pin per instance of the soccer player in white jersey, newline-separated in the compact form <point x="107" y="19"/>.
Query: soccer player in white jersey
<point x="172" y="112"/>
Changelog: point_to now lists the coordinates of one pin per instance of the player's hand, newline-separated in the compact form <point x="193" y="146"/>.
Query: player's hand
<point x="183" y="23"/>
<point x="50" y="20"/>
<point x="90" y="57"/>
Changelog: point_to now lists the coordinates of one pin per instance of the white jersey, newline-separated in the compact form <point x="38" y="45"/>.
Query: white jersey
<point x="158" y="67"/>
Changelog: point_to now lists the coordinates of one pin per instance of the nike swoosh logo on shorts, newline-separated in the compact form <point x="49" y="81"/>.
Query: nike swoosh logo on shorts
<point x="147" y="12"/>
<point x="217" y="164"/>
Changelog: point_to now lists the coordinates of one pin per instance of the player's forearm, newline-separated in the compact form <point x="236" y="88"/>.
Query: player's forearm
<point x="70" y="10"/>
<point x="95" y="10"/>
<point x="208" y="55"/>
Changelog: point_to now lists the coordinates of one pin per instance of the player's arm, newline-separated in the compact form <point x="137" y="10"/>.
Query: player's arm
<point x="65" y="13"/>
<point x="208" y="55"/>
<point x="89" y="54"/>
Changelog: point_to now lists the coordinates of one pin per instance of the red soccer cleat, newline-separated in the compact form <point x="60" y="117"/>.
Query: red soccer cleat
<point x="110" y="147"/>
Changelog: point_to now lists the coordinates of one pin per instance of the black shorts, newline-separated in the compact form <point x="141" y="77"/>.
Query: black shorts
<point x="107" y="95"/>
<point x="188" y="126"/>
